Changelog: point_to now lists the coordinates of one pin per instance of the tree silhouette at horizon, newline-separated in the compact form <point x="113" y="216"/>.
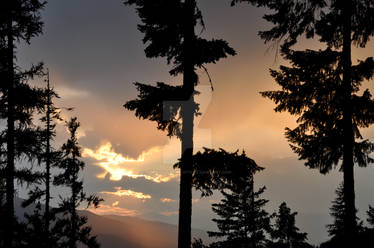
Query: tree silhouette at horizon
<point x="20" y="21"/>
<point x="339" y="24"/>
<point x="169" y="31"/>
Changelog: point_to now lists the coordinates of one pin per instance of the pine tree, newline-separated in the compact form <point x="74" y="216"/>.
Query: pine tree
<point x="370" y="218"/>
<point x="339" y="24"/>
<point x="312" y="89"/>
<point x="169" y="31"/>
<point x="285" y="233"/>
<point x="19" y="22"/>
<point x="48" y="158"/>
<point x="243" y="221"/>
<point x="72" y="228"/>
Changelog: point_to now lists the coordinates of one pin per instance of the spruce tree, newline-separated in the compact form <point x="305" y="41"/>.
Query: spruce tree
<point x="169" y="31"/>
<point x="339" y="24"/>
<point x="285" y="233"/>
<point x="312" y="89"/>
<point x="72" y="228"/>
<point x="243" y="220"/>
<point x="48" y="158"/>
<point x="19" y="22"/>
<point x="370" y="218"/>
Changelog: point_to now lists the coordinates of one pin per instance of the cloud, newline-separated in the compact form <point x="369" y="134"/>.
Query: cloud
<point x="113" y="210"/>
<point x="125" y="192"/>
<point x="169" y="213"/>
<point x="68" y="92"/>
<point x="115" y="204"/>
<point x="118" y="165"/>
<point x="167" y="200"/>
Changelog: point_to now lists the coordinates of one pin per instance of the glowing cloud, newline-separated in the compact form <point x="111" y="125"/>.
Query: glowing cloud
<point x="118" y="165"/>
<point x="168" y="213"/>
<point x="125" y="192"/>
<point x="167" y="200"/>
<point x="113" y="210"/>
<point x="115" y="204"/>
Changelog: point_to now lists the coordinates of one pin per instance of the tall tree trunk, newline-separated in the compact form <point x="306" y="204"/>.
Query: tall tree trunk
<point x="48" y="164"/>
<point x="348" y="136"/>
<point x="187" y="112"/>
<point x="9" y="231"/>
<point x="73" y="235"/>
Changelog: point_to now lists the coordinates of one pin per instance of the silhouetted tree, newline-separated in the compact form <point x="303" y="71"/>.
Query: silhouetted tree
<point x="370" y="218"/>
<point x="169" y="31"/>
<point x="72" y="228"/>
<point x="285" y="233"/>
<point x="48" y="157"/>
<point x="339" y="24"/>
<point x="312" y="88"/>
<point x="19" y="22"/>
<point x="336" y="230"/>
<point x="243" y="221"/>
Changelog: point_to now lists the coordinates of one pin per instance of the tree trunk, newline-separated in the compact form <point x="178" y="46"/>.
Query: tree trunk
<point x="187" y="113"/>
<point x="9" y="231"/>
<point x="348" y="136"/>
<point x="48" y="164"/>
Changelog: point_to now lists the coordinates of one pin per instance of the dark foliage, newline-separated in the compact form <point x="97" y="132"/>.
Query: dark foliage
<point x="20" y="21"/>
<point x="72" y="228"/>
<point x="169" y="31"/>
<point x="285" y="233"/>
<point x="242" y="221"/>
<point x="311" y="88"/>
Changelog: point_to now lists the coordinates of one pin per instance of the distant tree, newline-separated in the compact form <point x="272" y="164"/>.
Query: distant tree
<point x="169" y="31"/>
<point x="285" y="233"/>
<point x="48" y="158"/>
<point x="370" y="218"/>
<point x="339" y="24"/>
<point x="19" y="22"/>
<point x="72" y="228"/>
<point x="243" y="221"/>
<point x="198" y="243"/>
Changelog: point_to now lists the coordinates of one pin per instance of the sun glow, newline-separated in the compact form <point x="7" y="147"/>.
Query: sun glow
<point x="126" y="192"/>
<point x="113" y="210"/>
<point x="118" y="165"/>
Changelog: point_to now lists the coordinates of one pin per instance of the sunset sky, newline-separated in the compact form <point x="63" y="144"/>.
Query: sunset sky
<point x="94" y="53"/>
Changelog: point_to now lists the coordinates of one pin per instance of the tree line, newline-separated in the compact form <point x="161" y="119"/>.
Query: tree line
<point x="321" y="87"/>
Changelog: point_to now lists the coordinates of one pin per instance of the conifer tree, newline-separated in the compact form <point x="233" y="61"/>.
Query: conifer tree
<point x="312" y="89"/>
<point x="19" y="22"/>
<point x="72" y="227"/>
<point x="48" y="158"/>
<point x="243" y="220"/>
<point x="370" y="218"/>
<point x="285" y="233"/>
<point x="169" y="31"/>
<point x="339" y="24"/>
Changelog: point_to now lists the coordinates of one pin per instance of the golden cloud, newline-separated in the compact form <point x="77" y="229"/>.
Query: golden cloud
<point x="126" y="192"/>
<point x="119" y="166"/>
<point x="169" y="213"/>
<point x="113" y="210"/>
<point x="115" y="204"/>
<point x="167" y="200"/>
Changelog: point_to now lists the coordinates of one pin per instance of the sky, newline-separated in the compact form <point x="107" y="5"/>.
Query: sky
<point x="94" y="54"/>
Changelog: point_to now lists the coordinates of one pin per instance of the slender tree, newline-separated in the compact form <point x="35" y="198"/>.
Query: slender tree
<point x="243" y="220"/>
<point x="340" y="24"/>
<point x="285" y="232"/>
<point x="73" y="229"/>
<point x="169" y="29"/>
<point x="370" y="218"/>
<point x="48" y="158"/>
<point x="19" y="21"/>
